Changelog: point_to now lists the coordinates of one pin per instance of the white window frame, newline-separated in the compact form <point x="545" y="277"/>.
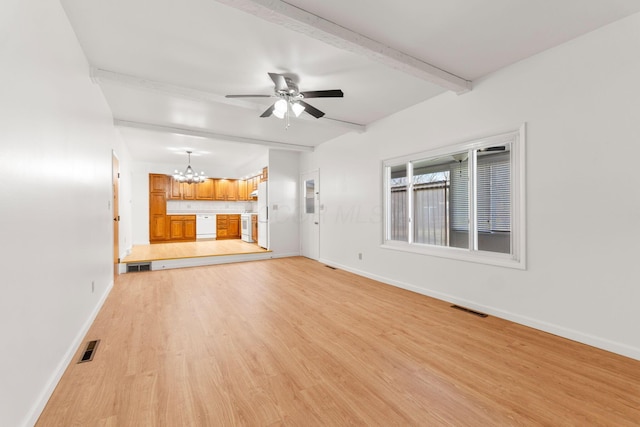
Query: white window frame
<point x="516" y="259"/>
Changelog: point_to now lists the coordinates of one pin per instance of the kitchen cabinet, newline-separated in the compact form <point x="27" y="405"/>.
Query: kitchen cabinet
<point x="157" y="183"/>
<point x="182" y="228"/>
<point x="254" y="227"/>
<point x="157" y="217"/>
<point x="228" y="226"/>
<point x="243" y="194"/>
<point x="158" y="207"/>
<point x="265" y="174"/>
<point x="226" y="189"/>
<point x="163" y="227"/>
<point x="204" y="190"/>
<point x="252" y="185"/>
<point x="181" y="190"/>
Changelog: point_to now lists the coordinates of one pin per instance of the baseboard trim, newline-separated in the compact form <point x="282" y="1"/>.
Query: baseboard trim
<point x="45" y="395"/>
<point x="571" y="334"/>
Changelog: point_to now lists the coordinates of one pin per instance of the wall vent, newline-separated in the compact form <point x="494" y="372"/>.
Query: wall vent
<point x="138" y="266"/>
<point x="468" y="310"/>
<point x="89" y="351"/>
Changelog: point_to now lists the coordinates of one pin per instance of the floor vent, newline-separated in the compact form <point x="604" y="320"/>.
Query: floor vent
<point x="89" y="351"/>
<point x="138" y="266"/>
<point x="328" y="266"/>
<point x="468" y="310"/>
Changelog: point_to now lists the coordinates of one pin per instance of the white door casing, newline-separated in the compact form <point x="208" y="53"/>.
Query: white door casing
<point x="310" y="214"/>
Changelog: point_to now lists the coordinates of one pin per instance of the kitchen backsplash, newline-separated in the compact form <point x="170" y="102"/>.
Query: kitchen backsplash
<point x="199" y="206"/>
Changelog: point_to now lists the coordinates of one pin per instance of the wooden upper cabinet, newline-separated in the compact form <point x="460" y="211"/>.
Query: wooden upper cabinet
<point x="243" y="194"/>
<point x="158" y="183"/>
<point x="204" y="190"/>
<point x="188" y="191"/>
<point x="220" y="189"/>
<point x="226" y="189"/>
<point x="182" y="190"/>
<point x="176" y="190"/>
<point x="232" y="190"/>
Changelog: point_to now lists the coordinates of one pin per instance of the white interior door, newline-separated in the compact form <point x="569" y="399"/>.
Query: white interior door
<point x="310" y="216"/>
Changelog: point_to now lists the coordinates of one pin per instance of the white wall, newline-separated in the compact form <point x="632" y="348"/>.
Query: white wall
<point x="56" y="141"/>
<point x="581" y="103"/>
<point x="284" y="220"/>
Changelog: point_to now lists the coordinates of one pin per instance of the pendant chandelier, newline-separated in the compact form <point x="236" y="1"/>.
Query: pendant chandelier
<point x="189" y="176"/>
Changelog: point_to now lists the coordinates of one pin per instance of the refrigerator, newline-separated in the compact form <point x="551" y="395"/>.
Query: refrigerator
<point x="263" y="215"/>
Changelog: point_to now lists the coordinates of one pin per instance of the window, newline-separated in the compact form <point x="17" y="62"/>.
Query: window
<point x="460" y="202"/>
<point x="309" y="196"/>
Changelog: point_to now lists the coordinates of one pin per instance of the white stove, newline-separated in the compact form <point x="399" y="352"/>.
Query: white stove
<point x="246" y="229"/>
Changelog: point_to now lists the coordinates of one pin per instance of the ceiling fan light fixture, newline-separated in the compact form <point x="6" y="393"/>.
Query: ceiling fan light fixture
<point x="280" y="106"/>
<point x="279" y="114"/>
<point x="297" y="108"/>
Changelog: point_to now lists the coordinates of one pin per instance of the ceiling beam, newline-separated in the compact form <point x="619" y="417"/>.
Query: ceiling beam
<point x="296" y="19"/>
<point x="99" y="75"/>
<point x="209" y="135"/>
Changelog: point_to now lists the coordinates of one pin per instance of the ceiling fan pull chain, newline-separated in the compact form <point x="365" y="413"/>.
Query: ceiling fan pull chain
<point x="287" y="114"/>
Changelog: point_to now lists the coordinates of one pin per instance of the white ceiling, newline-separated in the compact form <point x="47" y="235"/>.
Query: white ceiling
<point x="164" y="67"/>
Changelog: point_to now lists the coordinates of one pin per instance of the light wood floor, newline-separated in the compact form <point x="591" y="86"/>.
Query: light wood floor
<point x="292" y="342"/>
<point x="176" y="250"/>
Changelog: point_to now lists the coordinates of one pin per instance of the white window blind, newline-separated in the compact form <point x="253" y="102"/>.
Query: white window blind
<point x="494" y="193"/>
<point x="460" y="196"/>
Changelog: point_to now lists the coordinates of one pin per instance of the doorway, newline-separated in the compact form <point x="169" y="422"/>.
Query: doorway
<point x="115" y="179"/>
<point x="310" y="214"/>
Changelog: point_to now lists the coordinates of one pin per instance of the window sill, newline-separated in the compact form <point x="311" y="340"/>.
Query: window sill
<point x="489" y="258"/>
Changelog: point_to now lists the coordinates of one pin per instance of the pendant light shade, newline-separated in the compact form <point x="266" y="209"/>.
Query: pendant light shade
<point x="297" y="108"/>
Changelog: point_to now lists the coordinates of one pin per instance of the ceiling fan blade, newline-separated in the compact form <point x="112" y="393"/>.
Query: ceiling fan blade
<point x="333" y="93"/>
<point x="280" y="82"/>
<point x="268" y="111"/>
<point x="311" y="110"/>
<point x="248" y="96"/>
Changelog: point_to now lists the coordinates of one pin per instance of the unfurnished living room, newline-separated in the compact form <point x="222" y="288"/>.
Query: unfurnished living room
<point x="267" y="212"/>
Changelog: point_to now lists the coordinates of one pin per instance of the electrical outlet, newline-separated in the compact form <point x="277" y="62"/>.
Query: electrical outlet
<point x="360" y="256"/>
<point x="93" y="286"/>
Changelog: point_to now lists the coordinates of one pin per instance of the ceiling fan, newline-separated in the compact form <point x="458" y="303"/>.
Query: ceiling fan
<point x="291" y="99"/>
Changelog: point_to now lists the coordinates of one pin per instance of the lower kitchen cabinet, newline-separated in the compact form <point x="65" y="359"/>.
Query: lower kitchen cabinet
<point x="254" y="227"/>
<point x="182" y="228"/>
<point x="228" y="227"/>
